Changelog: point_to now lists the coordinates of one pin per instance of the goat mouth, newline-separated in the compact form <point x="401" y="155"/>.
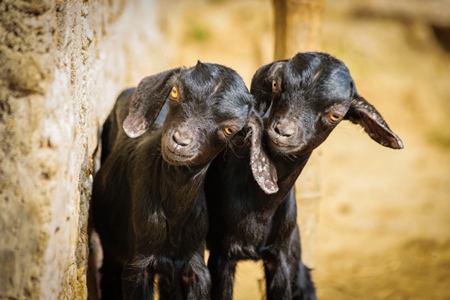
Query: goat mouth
<point x="177" y="158"/>
<point x="284" y="148"/>
<point x="280" y="144"/>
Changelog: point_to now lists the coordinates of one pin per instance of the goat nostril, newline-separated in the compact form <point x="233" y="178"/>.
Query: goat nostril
<point x="181" y="139"/>
<point x="277" y="128"/>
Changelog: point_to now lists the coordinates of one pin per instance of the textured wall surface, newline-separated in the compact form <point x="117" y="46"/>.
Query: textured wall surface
<point x="62" y="63"/>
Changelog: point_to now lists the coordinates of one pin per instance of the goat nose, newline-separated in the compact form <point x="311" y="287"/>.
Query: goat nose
<point x="285" y="130"/>
<point x="181" y="139"/>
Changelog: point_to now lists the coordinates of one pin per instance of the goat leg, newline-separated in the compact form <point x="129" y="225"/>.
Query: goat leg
<point x="170" y="288"/>
<point x="110" y="282"/>
<point x="277" y="273"/>
<point x="302" y="285"/>
<point x="195" y="280"/>
<point x="137" y="280"/>
<point x="222" y="272"/>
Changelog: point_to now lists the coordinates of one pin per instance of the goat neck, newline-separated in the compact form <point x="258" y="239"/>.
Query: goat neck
<point x="187" y="180"/>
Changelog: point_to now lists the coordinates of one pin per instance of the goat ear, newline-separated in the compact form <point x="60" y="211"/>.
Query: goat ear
<point x="261" y="86"/>
<point x="263" y="169"/>
<point x="147" y="101"/>
<point x="363" y="113"/>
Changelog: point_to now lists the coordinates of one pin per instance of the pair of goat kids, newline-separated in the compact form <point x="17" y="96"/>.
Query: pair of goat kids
<point x="191" y="160"/>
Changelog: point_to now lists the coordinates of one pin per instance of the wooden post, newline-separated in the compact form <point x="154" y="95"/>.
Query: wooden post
<point x="297" y="29"/>
<point x="297" y="26"/>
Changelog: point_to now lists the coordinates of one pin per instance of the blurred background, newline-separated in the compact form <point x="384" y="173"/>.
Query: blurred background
<point x="375" y="222"/>
<point x="383" y="216"/>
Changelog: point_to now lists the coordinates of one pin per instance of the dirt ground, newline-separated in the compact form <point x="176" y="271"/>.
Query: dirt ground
<point x="383" y="229"/>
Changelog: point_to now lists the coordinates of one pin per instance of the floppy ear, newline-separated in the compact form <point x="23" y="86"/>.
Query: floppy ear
<point x="261" y="86"/>
<point x="263" y="169"/>
<point x="363" y="113"/>
<point x="146" y="102"/>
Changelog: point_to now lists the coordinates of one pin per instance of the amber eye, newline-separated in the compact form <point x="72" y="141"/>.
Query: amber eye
<point x="174" y="93"/>
<point x="228" y="130"/>
<point x="335" y="117"/>
<point x="274" y="86"/>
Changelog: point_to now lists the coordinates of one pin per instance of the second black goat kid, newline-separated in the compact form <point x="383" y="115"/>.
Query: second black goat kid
<point x="308" y="96"/>
<point x="148" y="204"/>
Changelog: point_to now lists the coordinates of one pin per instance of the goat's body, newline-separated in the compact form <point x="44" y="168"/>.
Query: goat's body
<point x="135" y="180"/>
<point x="148" y="200"/>
<point x="247" y="223"/>
<point x="116" y="205"/>
<point x="308" y="96"/>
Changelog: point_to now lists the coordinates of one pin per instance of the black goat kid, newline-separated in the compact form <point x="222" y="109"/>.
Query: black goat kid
<point x="148" y="203"/>
<point x="308" y="96"/>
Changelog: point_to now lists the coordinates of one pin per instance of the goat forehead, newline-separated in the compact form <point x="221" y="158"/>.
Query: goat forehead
<point x="215" y="92"/>
<point x="230" y="110"/>
<point x="337" y="83"/>
<point x="218" y="97"/>
<point x="225" y="98"/>
<point x="303" y="68"/>
<point x="206" y="77"/>
<point x="319" y="88"/>
<point x="309" y="106"/>
<point x="203" y="111"/>
<point x="227" y="113"/>
<point x="314" y="102"/>
<point x="307" y="67"/>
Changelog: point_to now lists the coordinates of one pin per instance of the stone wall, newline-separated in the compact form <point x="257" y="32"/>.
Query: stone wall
<point x="62" y="63"/>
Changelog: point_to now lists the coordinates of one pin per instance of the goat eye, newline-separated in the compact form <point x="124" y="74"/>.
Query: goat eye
<point x="174" y="93"/>
<point x="228" y="130"/>
<point x="274" y="86"/>
<point x="334" y="117"/>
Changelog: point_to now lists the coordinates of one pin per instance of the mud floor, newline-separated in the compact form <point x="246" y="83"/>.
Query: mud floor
<point x="383" y="229"/>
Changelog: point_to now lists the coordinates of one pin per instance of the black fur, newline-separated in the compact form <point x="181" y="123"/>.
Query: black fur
<point x="148" y="203"/>
<point x="308" y="95"/>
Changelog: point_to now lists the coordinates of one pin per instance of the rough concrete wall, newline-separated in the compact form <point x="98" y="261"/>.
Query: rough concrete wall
<point x="62" y="63"/>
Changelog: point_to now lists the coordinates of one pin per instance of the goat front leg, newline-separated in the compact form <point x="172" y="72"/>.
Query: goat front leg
<point x="278" y="277"/>
<point x="170" y="288"/>
<point x="222" y="272"/>
<point x="137" y="281"/>
<point x="302" y="284"/>
<point x="110" y="283"/>
<point x="195" y="278"/>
